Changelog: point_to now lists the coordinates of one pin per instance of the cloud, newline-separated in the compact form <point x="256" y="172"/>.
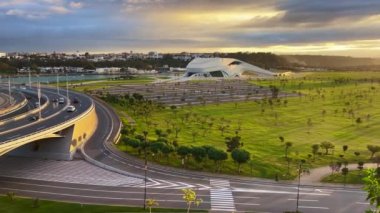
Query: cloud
<point x="59" y="10"/>
<point x="76" y="5"/>
<point x="196" y="25"/>
<point x="24" y="14"/>
<point x="298" y="13"/>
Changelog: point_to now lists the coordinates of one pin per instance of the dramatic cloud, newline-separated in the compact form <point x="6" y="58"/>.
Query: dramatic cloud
<point x="347" y="27"/>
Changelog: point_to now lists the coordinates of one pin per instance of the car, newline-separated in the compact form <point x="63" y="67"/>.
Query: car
<point x="61" y="100"/>
<point x="55" y="100"/>
<point x="34" y="118"/>
<point x="37" y="104"/>
<point x="76" y="101"/>
<point x="70" y="108"/>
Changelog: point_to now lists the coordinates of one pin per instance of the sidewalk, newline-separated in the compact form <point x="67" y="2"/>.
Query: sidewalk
<point x="317" y="174"/>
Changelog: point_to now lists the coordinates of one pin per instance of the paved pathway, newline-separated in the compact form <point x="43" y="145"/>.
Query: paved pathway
<point x="76" y="171"/>
<point x="317" y="174"/>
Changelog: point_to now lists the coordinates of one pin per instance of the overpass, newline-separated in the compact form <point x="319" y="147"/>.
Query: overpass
<point x="56" y="135"/>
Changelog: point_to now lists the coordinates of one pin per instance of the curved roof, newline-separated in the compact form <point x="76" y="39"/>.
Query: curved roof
<point x="223" y="67"/>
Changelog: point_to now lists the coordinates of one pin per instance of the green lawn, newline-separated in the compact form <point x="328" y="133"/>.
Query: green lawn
<point x="327" y="111"/>
<point x="353" y="177"/>
<point x="28" y="205"/>
<point x="89" y="85"/>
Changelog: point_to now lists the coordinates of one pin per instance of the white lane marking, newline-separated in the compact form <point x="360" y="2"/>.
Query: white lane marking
<point x="313" y="207"/>
<point x="304" y="200"/>
<point x="14" y="136"/>
<point x="42" y="127"/>
<point x="276" y="192"/>
<point x="87" y="196"/>
<point x="221" y="196"/>
<point x="362" y="203"/>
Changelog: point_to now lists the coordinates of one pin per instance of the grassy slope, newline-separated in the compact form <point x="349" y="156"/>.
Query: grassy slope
<point x="26" y="205"/>
<point x="260" y="132"/>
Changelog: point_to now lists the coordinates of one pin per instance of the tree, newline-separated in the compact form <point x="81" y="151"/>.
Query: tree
<point x="166" y="150"/>
<point x="315" y="149"/>
<point x="240" y="156"/>
<point x="345" y="173"/>
<point x="217" y="156"/>
<point x="373" y="149"/>
<point x="233" y="143"/>
<point x="372" y="186"/>
<point x="151" y="203"/>
<point x="183" y="151"/>
<point x="190" y="197"/>
<point x="287" y="146"/>
<point x="345" y="148"/>
<point x="327" y="146"/>
<point x="199" y="153"/>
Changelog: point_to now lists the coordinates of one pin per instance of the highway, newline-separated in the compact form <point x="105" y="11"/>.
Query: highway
<point x="53" y="114"/>
<point x="220" y="193"/>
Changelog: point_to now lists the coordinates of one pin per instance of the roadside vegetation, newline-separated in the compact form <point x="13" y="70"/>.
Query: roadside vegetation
<point x="333" y="121"/>
<point x="12" y="204"/>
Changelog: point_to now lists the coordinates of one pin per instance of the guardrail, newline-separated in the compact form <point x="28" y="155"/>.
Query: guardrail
<point x="25" y="114"/>
<point x="15" y="107"/>
<point x="50" y="129"/>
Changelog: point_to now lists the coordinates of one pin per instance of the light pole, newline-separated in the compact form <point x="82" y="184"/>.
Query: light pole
<point x="299" y="181"/>
<point x="67" y="90"/>
<point x="30" y="80"/>
<point x="9" y="90"/>
<point x="57" y="84"/>
<point x="39" y="100"/>
<point x="145" y="166"/>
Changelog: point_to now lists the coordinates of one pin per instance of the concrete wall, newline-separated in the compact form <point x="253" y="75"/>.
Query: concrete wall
<point x="61" y="148"/>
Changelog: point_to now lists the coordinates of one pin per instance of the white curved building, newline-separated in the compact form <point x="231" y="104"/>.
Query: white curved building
<point x="223" y="67"/>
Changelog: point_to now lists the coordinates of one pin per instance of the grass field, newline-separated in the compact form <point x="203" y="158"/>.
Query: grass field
<point x="328" y="110"/>
<point x="28" y="205"/>
<point x="86" y="85"/>
<point x="353" y="177"/>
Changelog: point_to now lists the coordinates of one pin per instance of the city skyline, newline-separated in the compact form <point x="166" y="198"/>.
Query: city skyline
<point x="282" y="27"/>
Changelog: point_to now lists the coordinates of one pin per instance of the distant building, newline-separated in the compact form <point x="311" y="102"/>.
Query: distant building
<point x="3" y="55"/>
<point x="108" y="70"/>
<point x="223" y="67"/>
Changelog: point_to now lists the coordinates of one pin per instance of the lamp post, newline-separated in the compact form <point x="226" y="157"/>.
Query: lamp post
<point x="145" y="166"/>
<point x="9" y="90"/>
<point x="57" y="84"/>
<point x="67" y="90"/>
<point x="299" y="181"/>
<point x="39" y="100"/>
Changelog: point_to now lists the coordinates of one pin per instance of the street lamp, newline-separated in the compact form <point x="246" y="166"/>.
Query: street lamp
<point x="67" y="90"/>
<point x="299" y="181"/>
<point x="145" y="166"/>
<point x="57" y="84"/>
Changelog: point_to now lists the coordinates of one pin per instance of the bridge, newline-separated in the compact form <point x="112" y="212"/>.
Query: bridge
<point x="57" y="134"/>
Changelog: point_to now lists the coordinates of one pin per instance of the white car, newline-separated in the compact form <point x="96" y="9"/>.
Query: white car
<point x="61" y="100"/>
<point x="71" y="108"/>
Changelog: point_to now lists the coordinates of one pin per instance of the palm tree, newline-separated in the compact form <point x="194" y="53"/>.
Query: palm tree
<point x="150" y="203"/>
<point x="287" y="146"/>
<point x="345" y="148"/>
<point x="315" y="149"/>
<point x="373" y="149"/>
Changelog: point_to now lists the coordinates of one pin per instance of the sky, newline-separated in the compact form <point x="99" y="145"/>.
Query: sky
<point x="327" y="27"/>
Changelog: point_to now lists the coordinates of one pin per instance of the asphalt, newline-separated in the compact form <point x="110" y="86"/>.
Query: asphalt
<point x="52" y="115"/>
